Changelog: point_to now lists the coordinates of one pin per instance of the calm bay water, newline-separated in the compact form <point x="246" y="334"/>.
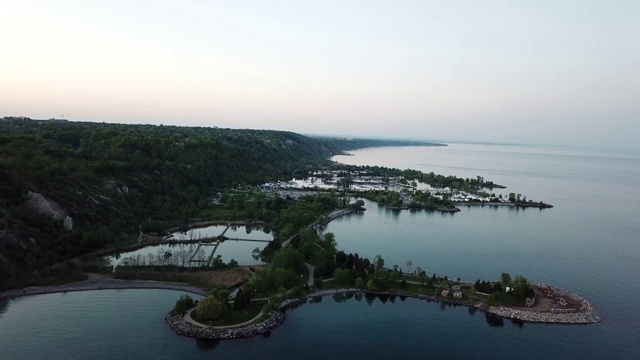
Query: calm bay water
<point x="589" y="242"/>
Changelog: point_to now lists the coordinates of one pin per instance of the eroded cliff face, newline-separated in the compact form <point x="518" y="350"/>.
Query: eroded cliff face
<point x="40" y="204"/>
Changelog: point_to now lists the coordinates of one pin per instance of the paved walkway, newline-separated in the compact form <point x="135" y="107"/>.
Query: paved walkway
<point x="311" y="273"/>
<point x="188" y="319"/>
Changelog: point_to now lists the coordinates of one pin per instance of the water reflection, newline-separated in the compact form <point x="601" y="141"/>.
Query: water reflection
<point x="4" y="304"/>
<point x="341" y="297"/>
<point x="494" y="320"/>
<point x="207" y="345"/>
<point x="383" y="298"/>
<point x="370" y="298"/>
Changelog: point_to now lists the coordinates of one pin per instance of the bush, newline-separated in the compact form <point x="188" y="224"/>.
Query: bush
<point x="210" y="309"/>
<point x="183" y="304"/>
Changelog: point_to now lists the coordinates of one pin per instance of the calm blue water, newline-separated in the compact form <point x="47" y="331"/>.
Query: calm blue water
<point x="589" y="242"/>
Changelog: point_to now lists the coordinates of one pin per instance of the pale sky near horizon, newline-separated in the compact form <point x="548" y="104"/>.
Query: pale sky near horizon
<point x="535" y="72"/>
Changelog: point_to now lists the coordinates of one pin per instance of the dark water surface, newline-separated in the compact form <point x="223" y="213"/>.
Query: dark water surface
<point x="589" y="243"/>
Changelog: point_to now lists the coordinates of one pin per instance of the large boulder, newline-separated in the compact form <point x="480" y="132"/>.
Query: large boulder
<point x="40" y="204"/>
<point x="111" y="187"/>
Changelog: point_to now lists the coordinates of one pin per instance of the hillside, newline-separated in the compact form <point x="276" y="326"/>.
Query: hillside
<point x="104" y="180"/>
<point x="345" y="144"/>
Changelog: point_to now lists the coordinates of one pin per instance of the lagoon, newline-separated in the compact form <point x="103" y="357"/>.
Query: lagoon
<point x="239" y="245"/>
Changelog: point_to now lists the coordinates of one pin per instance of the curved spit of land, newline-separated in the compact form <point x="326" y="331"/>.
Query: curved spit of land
<point x="539" y="205"/>
<point x="570" y="309"/>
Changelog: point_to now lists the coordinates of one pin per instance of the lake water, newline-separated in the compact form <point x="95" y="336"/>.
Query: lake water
<point x="589" y="243"/>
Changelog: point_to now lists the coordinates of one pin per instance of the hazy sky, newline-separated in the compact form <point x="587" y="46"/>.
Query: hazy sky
<point x="545" y="72"/>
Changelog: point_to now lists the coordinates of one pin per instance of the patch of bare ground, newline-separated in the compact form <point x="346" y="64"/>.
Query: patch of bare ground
<point x="553" y="305"/>
<point x="223" y="278"/>
<point x="218" y="278"/>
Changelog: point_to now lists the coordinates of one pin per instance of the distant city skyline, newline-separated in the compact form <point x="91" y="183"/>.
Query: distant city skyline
<point x="525" y="72"/>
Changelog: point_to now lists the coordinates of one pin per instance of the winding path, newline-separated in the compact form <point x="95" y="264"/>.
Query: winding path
<point x="190" y="320"/>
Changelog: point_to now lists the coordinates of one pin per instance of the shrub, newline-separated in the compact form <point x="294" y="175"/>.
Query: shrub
<point x="183" y="304"/>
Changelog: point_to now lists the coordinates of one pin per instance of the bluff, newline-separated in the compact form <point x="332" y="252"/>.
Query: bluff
<point x="103" y="180"/>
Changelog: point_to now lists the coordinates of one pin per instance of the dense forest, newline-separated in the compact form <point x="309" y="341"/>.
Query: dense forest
<point x="110" y="178"/>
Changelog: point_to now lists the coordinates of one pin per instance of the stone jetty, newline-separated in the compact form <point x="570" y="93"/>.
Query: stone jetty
<point x="178" y="324"/>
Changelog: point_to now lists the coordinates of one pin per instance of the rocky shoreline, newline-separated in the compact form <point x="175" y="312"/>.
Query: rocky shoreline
<point x="178" y="324"/>
<point x="584" y="314"/>
<point x="538" y="205"/>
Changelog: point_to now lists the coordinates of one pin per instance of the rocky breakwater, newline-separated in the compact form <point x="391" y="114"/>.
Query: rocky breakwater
<point x="579" y="312"/>
<point x="178" y="324"/>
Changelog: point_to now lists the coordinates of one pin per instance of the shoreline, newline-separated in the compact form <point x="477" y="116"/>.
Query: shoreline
<point x="586" y="314"/>
<point x="102" y="282"/>
<point x="508" y="204"/>
<point x="178" y="323"/>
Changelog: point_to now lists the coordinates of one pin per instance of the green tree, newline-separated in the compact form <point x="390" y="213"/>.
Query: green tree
<point x="393" y="278"/>
<point x="520" y="289"/>
<point x="307" y="249"/>
<point x="344" y="277"/>
<point x="318" y="283"/>
<point x="505" y="279"/>
<point x="381" y="279"/>
<point x="379" y="262"/>
<point x="210" y="309"/>
<point x="422" y="274"/>
<point x="288" y="258"/>
<point x="183" y="304"/>
<point x="371" y="285"/>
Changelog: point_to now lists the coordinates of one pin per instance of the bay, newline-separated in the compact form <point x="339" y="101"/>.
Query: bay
<point x="589" y="243"/>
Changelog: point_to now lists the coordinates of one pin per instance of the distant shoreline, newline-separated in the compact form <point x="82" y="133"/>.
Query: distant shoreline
<point x="509" y="204"/>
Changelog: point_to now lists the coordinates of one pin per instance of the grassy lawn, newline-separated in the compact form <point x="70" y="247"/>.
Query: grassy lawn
<point x="329" y="284"/>
<point x="418" y="289"/>
<point x="234" y="317"/>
